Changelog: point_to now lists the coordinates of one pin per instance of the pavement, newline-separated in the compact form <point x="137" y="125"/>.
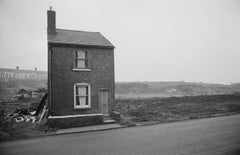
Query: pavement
<point x="89" y="128"/>
<point x="212" y="136"/>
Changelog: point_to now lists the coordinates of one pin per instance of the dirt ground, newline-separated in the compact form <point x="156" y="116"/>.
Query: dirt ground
<point x="135" y="111"/>
<point x="178" y="108"/>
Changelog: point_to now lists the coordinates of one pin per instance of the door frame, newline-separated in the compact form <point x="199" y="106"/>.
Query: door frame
<point x="109" y="99"/>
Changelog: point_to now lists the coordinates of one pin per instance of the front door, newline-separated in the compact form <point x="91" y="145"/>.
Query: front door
<point x="104" y="101"/>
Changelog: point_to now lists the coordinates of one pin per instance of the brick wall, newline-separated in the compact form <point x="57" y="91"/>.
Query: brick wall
<point x="62" y="78"/>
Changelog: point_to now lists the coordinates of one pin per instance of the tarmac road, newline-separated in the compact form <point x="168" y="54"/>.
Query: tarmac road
<point x="206" y="136"/>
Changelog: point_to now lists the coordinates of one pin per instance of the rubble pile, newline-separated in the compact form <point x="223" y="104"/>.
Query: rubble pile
<point x="30" y="94"/>
<point x="25" y="115"/>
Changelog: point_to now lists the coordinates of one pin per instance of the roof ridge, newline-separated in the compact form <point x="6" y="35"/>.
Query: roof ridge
<point x="76" y="30"/>
<point x="19" y="70"/>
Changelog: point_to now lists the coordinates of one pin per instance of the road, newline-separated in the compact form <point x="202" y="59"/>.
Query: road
<point x="211" y="136"/>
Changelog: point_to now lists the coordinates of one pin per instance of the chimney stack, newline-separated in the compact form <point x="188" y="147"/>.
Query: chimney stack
<point x="17" y="67"/>
<point x="35" y="68"/>
<point x="51" y="21"/>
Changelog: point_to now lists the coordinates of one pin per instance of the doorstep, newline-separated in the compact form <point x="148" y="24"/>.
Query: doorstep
<point x="89" y="128"/>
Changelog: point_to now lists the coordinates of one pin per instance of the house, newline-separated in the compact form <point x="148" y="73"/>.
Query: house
<point x="7" y="74"/>
<point x="80" y="72"/>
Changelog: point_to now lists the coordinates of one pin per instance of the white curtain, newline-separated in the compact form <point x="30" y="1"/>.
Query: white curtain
<point x="82" y="92"/>
<point x="81" y="63"/>
<point x="81" y="54"/>
<point x="82" y="101"/>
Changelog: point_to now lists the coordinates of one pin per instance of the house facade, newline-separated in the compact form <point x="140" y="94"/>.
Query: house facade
<point x="22" y="74"/>
<point x="80" y="72"/>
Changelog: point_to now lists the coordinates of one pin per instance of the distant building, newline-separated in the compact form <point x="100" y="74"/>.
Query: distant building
<point x="8" y="74"/>
<point x="80" y="72"/>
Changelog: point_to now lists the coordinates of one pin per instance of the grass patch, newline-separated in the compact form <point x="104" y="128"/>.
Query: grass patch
<point x="10" y="130"/>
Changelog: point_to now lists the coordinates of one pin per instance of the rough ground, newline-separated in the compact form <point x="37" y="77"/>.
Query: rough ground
<point x="178" y="108"/>
<point x="214" y="136"/>
<point x="170" y="89"/>
<point x="135" y="111"/>
<point x="10" y="130"/>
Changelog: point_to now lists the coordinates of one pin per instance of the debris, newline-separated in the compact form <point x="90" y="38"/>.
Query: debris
<point x="22" y="114"/>
<point x="32" y="112"/>
<point x="31" y="119"/>
<point x="43" y="113"/>
<point x="19" y="119"/>
<point x="24" y="94"/>
<point x="23" y="111"/>
<point x="41" y="105"/>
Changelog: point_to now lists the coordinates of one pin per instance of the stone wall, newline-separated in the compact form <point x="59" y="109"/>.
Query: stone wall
<point x="74" y="122"/>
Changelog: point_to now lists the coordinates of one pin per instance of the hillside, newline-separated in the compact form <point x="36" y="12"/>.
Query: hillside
<point x="169" y="89"/>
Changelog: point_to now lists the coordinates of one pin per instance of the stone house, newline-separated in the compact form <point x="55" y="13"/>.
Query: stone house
<point x="81" y="79"/>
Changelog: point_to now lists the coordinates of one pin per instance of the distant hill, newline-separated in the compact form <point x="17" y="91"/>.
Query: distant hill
<point x="169" y="89"/>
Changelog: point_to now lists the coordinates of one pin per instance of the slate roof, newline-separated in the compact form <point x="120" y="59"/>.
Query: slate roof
<point x="79" y="38"/>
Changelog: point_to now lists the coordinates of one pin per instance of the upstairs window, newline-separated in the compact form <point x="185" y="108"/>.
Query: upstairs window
<point x="81" y="59"/>
<point x="82" y="95"/>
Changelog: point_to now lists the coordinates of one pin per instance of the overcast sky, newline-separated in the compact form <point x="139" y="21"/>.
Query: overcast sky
<point x="155" y="40"/>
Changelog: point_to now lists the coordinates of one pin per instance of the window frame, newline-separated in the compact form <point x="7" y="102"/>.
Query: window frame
<point x="75" y="96"/>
